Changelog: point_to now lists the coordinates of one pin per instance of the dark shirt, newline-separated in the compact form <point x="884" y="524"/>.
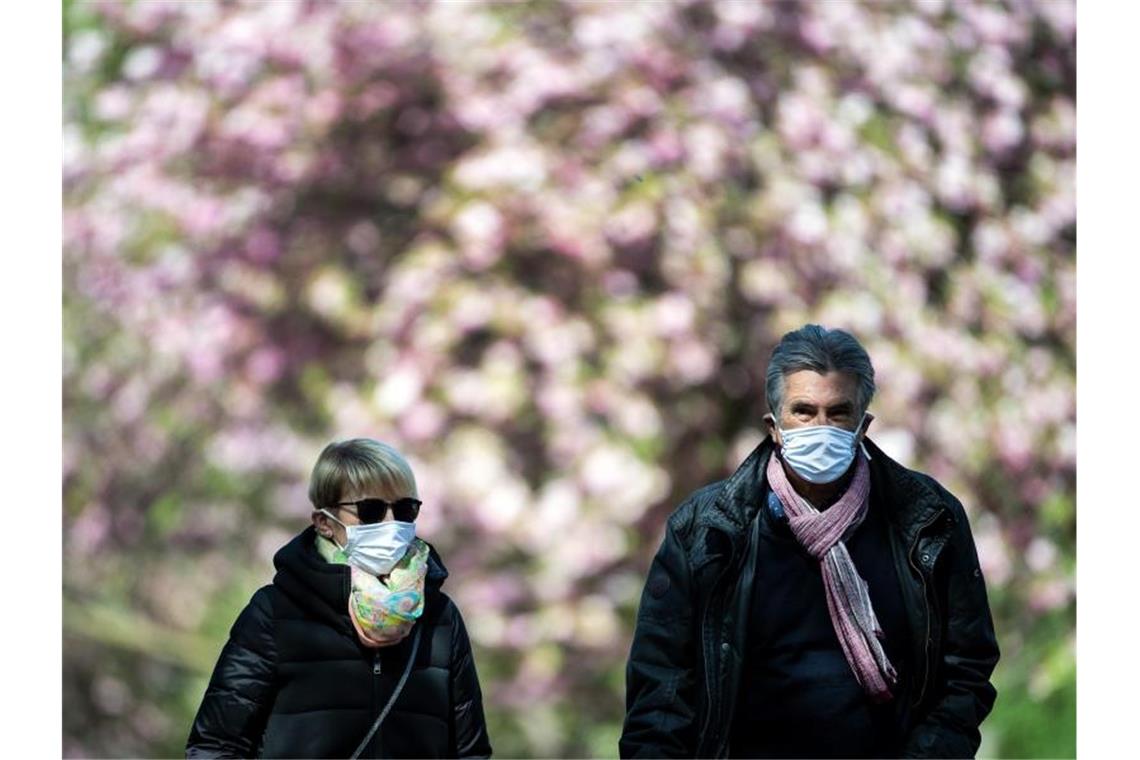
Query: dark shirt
<point x="798" y="696"/>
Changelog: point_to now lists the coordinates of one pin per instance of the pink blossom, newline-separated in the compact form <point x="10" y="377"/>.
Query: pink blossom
<point x="1002" y="131"/>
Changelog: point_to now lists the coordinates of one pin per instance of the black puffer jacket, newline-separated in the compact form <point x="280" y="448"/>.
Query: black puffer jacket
<point x="685" y="663"/>
<point x="294" y="681"/>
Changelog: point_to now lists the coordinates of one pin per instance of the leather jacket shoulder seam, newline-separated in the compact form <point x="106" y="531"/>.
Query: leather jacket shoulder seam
<point x="683" y="520"/>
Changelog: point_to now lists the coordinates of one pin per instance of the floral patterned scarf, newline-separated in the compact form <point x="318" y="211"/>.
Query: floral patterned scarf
<point x="384" y="611"/>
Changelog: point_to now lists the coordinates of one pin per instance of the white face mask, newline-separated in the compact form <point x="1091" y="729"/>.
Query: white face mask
<point x="376" y="548"/>
<point x="821" y="453"/>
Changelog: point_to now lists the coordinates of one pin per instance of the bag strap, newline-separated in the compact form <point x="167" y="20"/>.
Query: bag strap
<point x="396" y="693"/>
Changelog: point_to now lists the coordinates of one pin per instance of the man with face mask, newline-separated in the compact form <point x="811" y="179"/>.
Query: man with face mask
<point x="823" y="601"/>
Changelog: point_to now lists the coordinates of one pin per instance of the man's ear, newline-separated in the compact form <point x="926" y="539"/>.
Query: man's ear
<point x="867" y="420"/>
<point x="770" y="422"/>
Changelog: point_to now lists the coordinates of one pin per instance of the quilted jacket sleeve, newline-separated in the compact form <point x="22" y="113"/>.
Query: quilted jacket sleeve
<point x="964" y="695"/>
<point x="232" y="716"/>
<point x="469" y="725"/>
<point x="661" y="677"/>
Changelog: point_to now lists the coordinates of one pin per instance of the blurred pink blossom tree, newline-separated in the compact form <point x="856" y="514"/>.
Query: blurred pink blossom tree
<point x="545" y="249"/>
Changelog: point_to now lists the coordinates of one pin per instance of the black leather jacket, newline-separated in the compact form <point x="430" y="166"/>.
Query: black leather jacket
<point x="685" y="663"/>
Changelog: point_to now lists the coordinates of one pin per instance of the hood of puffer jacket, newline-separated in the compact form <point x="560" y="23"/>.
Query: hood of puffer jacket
<point x="322" y="588"/>
<point x="909" y="500"/>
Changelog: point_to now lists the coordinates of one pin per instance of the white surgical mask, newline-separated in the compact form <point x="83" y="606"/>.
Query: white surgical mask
<point x="376" y="548"/>
<point x="821" y="453"/>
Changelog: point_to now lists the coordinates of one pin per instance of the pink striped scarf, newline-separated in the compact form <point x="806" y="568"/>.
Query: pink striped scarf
<point x="820" y="534"/>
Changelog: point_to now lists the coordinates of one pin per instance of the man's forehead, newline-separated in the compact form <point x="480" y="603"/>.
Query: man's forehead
<point x="811" y="386"/>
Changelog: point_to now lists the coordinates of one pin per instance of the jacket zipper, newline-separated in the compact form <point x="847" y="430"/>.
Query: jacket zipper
<point x="733" y="559"/>
<point x="708" y="676"/>
<point x="926" y="602"/>
<point x="375" y="693"/>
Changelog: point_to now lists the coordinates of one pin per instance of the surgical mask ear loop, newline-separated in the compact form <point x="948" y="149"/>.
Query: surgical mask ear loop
<point x="333" y="536"/>
<point x="858" y="430"/>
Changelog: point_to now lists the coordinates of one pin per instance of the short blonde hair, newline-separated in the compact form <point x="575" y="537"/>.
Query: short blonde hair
<point x="359" y="465"/>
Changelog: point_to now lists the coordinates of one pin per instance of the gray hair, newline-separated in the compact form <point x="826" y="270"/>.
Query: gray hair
<point x="359" y="465"/>
<point x="821" y="350"/>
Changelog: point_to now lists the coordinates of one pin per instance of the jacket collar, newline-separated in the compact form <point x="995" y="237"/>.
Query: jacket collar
<point x="320" y="588"/>
<point x="436" y="572"/>
<point x="722" y="527"/>
<point x="909" y="503"/>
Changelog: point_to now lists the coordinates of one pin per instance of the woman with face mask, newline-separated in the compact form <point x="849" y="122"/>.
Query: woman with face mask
<point x="353" y="650"/>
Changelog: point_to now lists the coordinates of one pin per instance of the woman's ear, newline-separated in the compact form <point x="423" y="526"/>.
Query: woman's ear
<point x="321" y="524"/>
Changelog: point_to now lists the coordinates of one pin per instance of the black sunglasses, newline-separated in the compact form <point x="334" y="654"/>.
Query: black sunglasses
<point x="373" y="510"/>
